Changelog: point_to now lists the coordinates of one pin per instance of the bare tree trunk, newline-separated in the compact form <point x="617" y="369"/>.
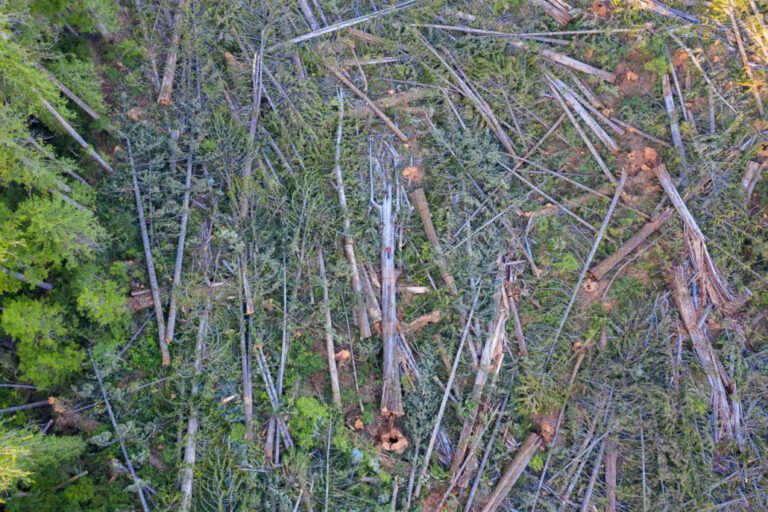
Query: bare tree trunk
<point x="71" y="131"/>
<point x="166" y="88"/>
<point x="391" y="394"/>
<point x="179" y="252"/>
<point x="150" y="262"/>
<point x="307" y="13"/>
<point x="329" y="345"/>
<point x="188" y="470"/>
<point x="349" y="244"/>
<point x="513" y="471"/>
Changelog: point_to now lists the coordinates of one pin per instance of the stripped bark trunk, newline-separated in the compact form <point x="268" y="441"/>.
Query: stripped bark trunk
<point x="349" y="244"/>
<point x="150" y="262"/>
<point x="513" y="471"/>
<point x="391" y="394"/>
<point x="166" y="88"/>
<point x="330" y="350"/>
<point x="179" y="252"/>
<point x="193" y="425"/>
<point x="490" y="362"/>
<point x="71" y="131"/>
<point x="726" y="406"/>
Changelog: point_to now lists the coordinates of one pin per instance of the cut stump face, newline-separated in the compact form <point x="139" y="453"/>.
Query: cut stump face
<point x="394" y="441"/>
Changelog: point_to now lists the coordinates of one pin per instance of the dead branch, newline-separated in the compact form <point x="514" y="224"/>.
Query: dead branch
<point x="150" y="261"/>
<point x="26" y="407"/>
<point x="663" y="9"/>
<point x="557" y="9"/>
<point x="611" y="462"/>
<point x="329" y="345"/>
<point x="669" y="103"/>
<point x="595" y="245"/>
<point x="16" y="275"/>
<point x="342" y="24"/>
<point x="489" y="364"/>
<point x="166" y="88"/>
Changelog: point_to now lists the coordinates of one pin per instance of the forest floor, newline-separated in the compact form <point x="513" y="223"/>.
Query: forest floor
<point x="477" y="255"/>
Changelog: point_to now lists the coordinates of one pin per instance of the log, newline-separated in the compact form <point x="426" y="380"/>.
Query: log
<point x="513" y="471"/>
<point x="16" y="275"/>
<point x="71" y="131"/>
<point x="26" y="407"/>
<point x="611" y="463"/>
<point x="307" y="13"/>
<point x="329" y="345"/>
<point x="430" y="318"/>
<point x="669" y="103"/>
<point x="245" y="366"/>
<point x="663" y="9"/>
<point x="558" y="10"/>
<point x="172" y="308"/>
<point x="166" y="88"/>
<point x="150" y="262"/>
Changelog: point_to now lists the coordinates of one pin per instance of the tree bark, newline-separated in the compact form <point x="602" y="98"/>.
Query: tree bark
<point x="150" y="262"/>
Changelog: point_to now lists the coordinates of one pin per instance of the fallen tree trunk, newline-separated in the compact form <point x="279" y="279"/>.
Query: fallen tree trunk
<point x="193" y="425"/>
<point x="726" y="407"/>
<point x="513" y="471"/>
<point x="712" y="284"/>
<point x="330" y="350"/>
<point x="490" y="362"/>
<point x="349" y="244"/>
<point x="166" y="88"/>
<point x="150" y="262"/>
<point x="391" y="394"/>
<point x="69" y="94"/>
<point x="71" y="131"/>
<point x="179" y="250"/>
